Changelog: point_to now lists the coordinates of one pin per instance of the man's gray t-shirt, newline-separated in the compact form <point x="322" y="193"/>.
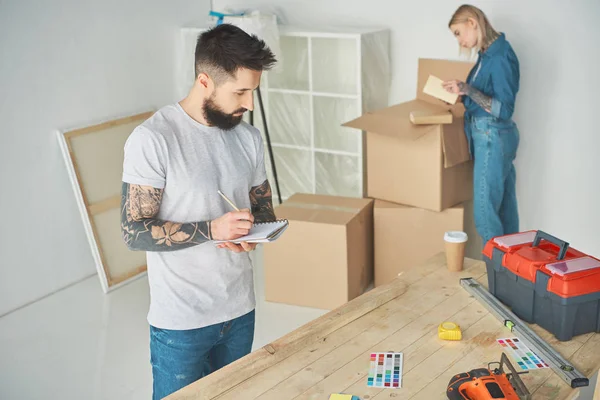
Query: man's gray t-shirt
<point x="201" y="285"/>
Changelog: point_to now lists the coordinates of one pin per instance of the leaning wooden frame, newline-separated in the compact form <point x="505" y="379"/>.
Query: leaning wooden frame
<point x="94" y="160"/>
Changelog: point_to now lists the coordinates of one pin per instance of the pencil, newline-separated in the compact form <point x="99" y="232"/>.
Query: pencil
<point x="227" y="200"/>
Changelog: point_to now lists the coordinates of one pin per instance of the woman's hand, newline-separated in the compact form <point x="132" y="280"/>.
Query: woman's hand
<point x="454" y="87"/>
<point x="477" y="96"/>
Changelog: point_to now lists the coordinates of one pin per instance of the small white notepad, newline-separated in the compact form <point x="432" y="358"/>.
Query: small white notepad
<point x="262" y="232"/>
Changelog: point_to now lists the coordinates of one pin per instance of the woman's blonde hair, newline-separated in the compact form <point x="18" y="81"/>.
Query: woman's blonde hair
<point x="485" y="32"/>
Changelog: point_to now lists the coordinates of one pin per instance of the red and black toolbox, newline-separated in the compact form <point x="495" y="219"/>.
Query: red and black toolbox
<point x="544" y="281"/>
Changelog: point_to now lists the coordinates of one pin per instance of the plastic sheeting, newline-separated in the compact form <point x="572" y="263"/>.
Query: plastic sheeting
<point x="293" y="75"/>
<point x="325" y="82"/>
<point x="376" y="71"/>
<point x="338" y="175"/>
<point x="335" y="65"/>
<point x="294" y="171"/>
<point x="290" y="119"/>
<point x="329" y="114"/>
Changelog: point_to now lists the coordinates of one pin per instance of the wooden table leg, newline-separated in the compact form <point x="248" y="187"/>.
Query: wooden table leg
<point x="597" y="390"/>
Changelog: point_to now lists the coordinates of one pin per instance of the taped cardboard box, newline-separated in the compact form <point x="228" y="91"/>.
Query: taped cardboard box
<point x="406" y="237"/>
<point x="325" y="258"/>
<point x="425" y="166"/>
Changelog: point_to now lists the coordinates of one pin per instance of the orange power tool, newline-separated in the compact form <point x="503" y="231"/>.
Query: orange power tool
<point x="489" y="384"/>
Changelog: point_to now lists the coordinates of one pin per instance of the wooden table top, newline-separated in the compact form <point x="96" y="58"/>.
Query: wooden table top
<point x="332" y="353"/>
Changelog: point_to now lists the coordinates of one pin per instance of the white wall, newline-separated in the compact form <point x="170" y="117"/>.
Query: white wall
<point x="63" y="64"/>
<point x="558" y="46"/>
<point x="70" y="63"/>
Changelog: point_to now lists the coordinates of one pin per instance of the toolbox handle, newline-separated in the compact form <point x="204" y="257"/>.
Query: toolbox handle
<point x="564" y="246"/>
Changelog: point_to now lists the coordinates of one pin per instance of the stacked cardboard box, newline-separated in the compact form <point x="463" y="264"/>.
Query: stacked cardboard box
<point x="420" y="175"/>
<point x="419" y="183"/>
<point x="325" y="258"/>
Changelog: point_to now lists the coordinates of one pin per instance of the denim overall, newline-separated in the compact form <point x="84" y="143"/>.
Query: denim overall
<point x="493" y="140"/>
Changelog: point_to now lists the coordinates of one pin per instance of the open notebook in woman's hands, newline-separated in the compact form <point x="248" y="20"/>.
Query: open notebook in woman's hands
<point x="262" y="232"/>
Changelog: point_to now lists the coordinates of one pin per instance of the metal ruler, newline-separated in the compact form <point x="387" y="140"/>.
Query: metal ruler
<point x="558" y="364"/>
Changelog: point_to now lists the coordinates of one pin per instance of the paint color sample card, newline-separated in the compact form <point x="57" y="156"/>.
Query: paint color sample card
<point x="521" y="354"/>
<point x="385" y="370"/>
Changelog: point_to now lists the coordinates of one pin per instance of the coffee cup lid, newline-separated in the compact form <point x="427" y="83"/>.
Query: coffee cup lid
<point x="455" y="237"/>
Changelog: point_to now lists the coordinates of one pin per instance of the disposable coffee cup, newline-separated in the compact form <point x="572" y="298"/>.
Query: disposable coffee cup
<point x="456" y="241"/>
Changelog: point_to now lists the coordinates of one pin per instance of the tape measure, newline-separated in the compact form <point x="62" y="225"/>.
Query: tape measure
<point x="449" y="331"/>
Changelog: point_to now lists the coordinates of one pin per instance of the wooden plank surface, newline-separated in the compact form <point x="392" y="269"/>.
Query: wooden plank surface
<point x="331" y="354"/>
<point x="273" y="353"/>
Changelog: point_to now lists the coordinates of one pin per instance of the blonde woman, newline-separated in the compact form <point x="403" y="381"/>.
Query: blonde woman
<point x="489" y="96"/>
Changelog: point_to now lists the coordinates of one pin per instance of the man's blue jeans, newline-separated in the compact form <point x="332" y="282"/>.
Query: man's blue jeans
<point x="179" y="358"/>
<point x="494" y="146"/>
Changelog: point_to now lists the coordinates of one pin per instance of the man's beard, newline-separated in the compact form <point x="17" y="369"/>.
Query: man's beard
<point x="216" y="117"/>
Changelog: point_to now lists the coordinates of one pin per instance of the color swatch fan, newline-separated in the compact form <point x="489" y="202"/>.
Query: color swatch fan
<point x="523" y="356"/>
<point x="385" y="370"/>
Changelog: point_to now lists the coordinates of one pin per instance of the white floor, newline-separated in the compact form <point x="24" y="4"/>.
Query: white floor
<point x="82" y="344"/>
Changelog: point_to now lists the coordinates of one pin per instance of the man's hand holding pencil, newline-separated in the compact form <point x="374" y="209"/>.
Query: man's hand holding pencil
<point x="231" y="226"/>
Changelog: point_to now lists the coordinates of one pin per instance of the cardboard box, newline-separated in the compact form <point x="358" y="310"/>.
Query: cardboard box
<point x="406" y="237"/>
<point x="425" y="166"/>
<point x="325" y="258"/>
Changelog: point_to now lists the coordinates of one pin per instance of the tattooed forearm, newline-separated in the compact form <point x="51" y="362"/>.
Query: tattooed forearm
<point x="261" y="200"/>
<point x="144" y="201"/>
<point x="141" y="229"/>
<point x="478" y="97"/>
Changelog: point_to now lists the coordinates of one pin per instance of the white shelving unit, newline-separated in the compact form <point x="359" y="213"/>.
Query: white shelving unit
<point x="327" y="77"/>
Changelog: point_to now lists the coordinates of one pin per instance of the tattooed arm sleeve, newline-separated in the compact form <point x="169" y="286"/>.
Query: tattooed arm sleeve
<point x="477" y="96"/>
<point x="261" y="200"/>
<point x="141" y="229"/>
